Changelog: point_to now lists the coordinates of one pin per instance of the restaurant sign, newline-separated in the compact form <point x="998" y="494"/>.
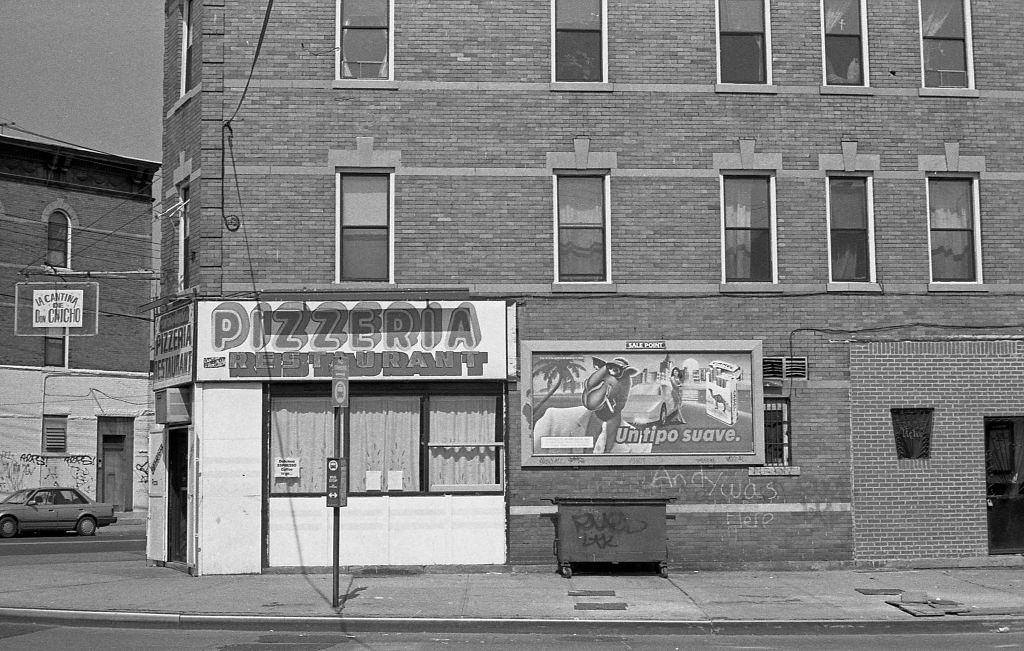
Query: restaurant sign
<point x="299" y="340"/>
<point x="614" y="403"/>
<point x="173" y="348"/>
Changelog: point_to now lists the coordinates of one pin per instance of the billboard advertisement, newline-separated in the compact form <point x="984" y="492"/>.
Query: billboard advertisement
<point x="299" y="340"/>
<point x="642" y="403"/>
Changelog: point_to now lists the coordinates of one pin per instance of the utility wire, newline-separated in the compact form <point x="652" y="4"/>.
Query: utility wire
<point x="255" y="58"/>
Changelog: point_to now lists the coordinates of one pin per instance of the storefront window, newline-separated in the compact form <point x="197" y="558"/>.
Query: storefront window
<point x="301" y="438"/>
<point x="463" y="454"/>
<point x="384" y="445"/>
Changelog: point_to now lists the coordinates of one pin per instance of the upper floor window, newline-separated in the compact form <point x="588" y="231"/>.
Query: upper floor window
<point x="946" y="43"/>
<point x="850" y="229"/>
<point x="58" y="240"/>
<point x="187" y="38"/>
<point x="953" y="230"/>
<point x="579" y="40"/>
<point x="748" y="223"/>
<point x="364" y="226"/>
<point x="744" y="42"/>
<point x="582" y="228"/>
<point x="184" y="239"/>
<point x="843" y="29"/>
<point x="364" y="46"/>
<point x="55" y="347"/>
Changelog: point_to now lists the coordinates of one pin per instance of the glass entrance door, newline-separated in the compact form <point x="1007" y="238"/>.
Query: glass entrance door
<point x="1004" y="472"/>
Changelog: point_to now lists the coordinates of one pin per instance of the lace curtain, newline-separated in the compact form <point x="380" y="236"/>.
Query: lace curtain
<point x="462" y="436"/>
<point x="301" y="428"/>
<point x="384" y="444"/>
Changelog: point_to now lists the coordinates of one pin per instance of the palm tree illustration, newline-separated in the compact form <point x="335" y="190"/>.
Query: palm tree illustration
<point x="558" y="372"/>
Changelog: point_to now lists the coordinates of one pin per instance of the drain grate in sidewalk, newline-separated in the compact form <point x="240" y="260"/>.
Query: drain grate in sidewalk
<point x="879" y="590"/>
<point x="591" y="593"/>
<point x="611" y="605"/>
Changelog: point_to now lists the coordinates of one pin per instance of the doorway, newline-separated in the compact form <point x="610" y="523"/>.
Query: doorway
<point x="177" y="495"/>
<point x="116" y="442"/>
<point x="1004" y="476"/>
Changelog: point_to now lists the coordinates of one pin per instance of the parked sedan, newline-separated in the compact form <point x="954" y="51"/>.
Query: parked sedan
<point x="53" y="509"/>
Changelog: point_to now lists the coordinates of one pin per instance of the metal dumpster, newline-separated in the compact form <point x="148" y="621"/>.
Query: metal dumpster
<point x="596" y="530"/>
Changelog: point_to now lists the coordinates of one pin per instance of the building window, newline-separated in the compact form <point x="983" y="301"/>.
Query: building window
<point x="55" y="347"/>
<point x="579" y="40"/>
<point x="912" y="429"/>
<point x="187" y="38"/>
<point x="55" y="434"/>
<point x="58" y="240"/>
<point x="777" y="443"/>
<point x="744" y="42"/>
<point x="946" y="43"/>
<point x="398" y="440"/>
<point x="364" y="46"/>
<point x="184" y="239"/>
<point x="364" y="227"/>
<point x="844" y="43"/>
<point x="582" y="228"/>
<point x="953" y="230"/>
<point x="749" y="228"/>
<point x="850" y="229"/>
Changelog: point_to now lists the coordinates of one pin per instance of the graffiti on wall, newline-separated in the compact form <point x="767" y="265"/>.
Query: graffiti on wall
<point x="19" y="471"/>
<point x="145" y="470"/>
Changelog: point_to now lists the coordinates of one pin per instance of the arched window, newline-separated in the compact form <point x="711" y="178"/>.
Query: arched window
<point x="58" y="240"/>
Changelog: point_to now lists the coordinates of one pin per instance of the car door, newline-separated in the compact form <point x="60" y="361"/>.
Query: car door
<point x="40" y="513"/>
<point x="68" y="505"/>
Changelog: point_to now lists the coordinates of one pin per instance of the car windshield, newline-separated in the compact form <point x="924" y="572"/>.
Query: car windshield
<point x="16" y="498"/>
<point x="647" y="389"/>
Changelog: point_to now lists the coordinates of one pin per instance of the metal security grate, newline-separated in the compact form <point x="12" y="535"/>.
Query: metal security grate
<point x="777" y="443"/>
<point x="913" y="431"/>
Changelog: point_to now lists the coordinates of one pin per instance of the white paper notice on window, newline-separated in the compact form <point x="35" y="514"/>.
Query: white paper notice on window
<point x="372" y="480"/>
<point x="286" y="468"/>
<point x="395" y="480"/>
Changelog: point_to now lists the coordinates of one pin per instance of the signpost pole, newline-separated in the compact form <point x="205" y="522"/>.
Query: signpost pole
<point x="337" y="477"/>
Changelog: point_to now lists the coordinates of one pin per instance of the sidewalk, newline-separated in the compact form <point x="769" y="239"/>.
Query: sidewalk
<point x="132" y="593"/>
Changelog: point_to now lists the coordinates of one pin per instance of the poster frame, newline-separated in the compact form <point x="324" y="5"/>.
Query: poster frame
<point x="752" y="347"/>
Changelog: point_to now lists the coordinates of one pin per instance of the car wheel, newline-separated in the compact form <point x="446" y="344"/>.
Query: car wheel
<point x="664" y="416"/>
<point x="86" y="527"/>
<point x="8" y="528"/>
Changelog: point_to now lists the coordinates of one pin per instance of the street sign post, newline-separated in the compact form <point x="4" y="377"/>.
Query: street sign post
<point x="337" y="495"/>
<point x="337" y="467"/>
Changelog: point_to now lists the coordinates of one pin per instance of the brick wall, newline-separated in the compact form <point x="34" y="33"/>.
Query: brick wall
<point x="934" y="507"/>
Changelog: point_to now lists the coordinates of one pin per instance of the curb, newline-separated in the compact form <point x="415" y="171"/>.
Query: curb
<point x="132" y="619"/>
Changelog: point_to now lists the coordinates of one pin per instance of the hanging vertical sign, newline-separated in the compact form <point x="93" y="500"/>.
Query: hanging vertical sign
<point x="339" y="382"/>
<point x="337" y="495"/>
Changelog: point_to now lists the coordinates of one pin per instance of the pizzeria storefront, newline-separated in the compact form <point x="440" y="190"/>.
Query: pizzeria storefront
<point x="423" y="434"/>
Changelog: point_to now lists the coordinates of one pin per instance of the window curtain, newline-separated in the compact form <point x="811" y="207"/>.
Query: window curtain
<point x="457" y="423"/>
<point x="936" y="14"/>
<point x="301" y="428"/>
<point x="384" y="444"/>
<point x="738" y="214"/>
<point x="841" y="17"/>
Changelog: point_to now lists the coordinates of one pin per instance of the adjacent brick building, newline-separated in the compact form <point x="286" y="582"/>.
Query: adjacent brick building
<point x="593" y="249"/>
<point x="75" y="403"/>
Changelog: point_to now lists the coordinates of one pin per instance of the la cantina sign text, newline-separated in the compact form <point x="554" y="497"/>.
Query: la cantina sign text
<point x="57" y="308"/>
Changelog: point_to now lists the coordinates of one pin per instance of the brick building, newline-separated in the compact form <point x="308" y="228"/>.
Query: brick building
<point x="756" y="260"/>
<point x="75" y="410"/>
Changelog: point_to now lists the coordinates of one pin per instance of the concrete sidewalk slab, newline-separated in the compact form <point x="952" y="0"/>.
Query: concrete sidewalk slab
<point x="778" y="602"/>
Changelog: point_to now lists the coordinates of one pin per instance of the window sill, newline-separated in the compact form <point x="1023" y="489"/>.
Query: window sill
<point x="741" y="288"/>
<point x="873" y="288"/>
<point x="366" y="84"/>
<point x="773" y="471"/>
<point x="756" y="89"/>
<point x="976" y="288"/>
<point x="948" y="92"/>
<point x="582" y="86"/>
<point x="183" y="100"/>
<point x="846" y="90"/>
<point x="564" y="288"/>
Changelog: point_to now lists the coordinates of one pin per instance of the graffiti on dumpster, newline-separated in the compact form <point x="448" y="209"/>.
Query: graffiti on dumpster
<point x="605" y="528"/>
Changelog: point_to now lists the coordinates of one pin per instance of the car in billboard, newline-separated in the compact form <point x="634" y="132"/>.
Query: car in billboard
<point x="650" y="402"/>
<point x="52" y="509"/>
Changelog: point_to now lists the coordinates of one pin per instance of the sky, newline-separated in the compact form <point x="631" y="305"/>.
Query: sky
<point x="85" y="71"/>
